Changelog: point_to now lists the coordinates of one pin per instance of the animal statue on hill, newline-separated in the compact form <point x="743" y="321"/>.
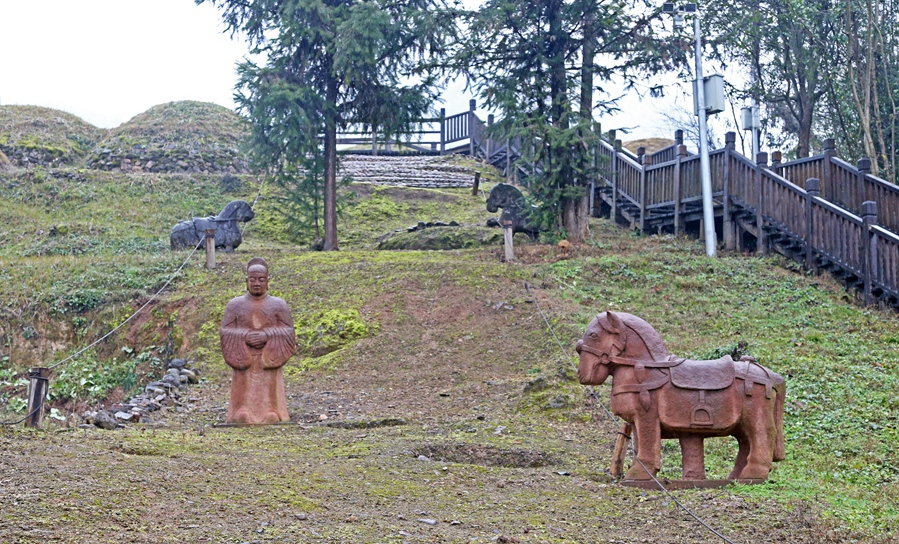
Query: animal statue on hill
<point x="189" y="234"/>
<point x="664" y="396"/>
<point x="515" y="209"/>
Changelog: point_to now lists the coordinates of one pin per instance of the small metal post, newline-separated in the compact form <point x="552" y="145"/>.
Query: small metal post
<point x="507" y="238"/>
<point x="37" y="393"/>
<point x="477" y="184"/>
<point x="210" y="249"/>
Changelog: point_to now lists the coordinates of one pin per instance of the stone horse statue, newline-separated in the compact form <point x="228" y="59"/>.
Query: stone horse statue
<point x="189" y="234"/>
<point x="664" y="396"/>
<point x="515" y="209"/>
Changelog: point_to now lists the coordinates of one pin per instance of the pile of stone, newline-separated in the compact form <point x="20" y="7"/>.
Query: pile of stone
<point x="170" y="157"/>
<point x="157" y="396"/>
<point x="411" y="171"/>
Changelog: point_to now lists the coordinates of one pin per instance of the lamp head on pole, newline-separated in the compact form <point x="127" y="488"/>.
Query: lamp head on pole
<point x="677" y="12"/>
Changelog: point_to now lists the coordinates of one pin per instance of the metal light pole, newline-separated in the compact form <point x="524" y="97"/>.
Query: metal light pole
<point x="708" y="213"/>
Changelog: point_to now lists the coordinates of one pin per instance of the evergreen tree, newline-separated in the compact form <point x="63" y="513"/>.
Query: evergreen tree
<point x="539" y="62"/>
<point x="327" y="64"/>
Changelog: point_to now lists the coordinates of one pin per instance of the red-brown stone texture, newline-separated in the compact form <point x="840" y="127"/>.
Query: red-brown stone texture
<point x="257" y="340"/>
<point x="664" y="396"/>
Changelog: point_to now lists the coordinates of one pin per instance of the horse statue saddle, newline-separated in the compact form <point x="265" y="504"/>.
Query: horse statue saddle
<point x="704" y="375"/>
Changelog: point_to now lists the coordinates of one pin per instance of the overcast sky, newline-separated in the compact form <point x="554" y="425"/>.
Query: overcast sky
<point x="109" y="60"/>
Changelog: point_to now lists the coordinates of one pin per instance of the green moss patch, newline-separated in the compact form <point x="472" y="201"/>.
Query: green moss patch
<point x="323" y="332"/>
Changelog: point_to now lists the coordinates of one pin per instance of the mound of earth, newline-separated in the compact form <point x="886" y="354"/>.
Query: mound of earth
<point x="442" y="238"/>
<point x="184" y="136"/>
<point x="652" y="145"/>
<point x="38" y="136"/>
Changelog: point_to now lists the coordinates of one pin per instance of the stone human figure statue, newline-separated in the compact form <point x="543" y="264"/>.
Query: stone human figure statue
<point x="257" y="338"/>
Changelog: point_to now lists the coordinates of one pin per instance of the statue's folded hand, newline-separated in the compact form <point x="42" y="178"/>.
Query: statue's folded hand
<point x="256" y="339"/>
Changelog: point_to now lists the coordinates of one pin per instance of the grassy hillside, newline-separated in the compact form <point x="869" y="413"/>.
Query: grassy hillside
<point x="449" y="344"/>
<point x="185" y="136"/>
<point x="34" y="135"/>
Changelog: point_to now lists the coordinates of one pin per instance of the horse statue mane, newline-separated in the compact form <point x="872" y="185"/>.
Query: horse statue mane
<point x="189" y="234"/>
<point x="514" y="206"/>
<point x="614" y="322"/>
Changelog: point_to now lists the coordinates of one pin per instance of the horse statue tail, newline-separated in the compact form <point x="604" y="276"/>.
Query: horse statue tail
<point x="780" y="391"/>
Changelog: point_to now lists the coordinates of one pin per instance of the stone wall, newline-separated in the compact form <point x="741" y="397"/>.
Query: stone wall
<point x="205" y="159"/>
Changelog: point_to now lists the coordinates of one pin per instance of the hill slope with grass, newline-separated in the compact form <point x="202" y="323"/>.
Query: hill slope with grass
<point x="430" y="399"/>
<point x="38" y="136"/>
<point x="185" y="136"/>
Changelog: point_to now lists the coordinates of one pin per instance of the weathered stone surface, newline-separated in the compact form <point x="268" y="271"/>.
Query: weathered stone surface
<point x="714" y="398"/>
<point x="189" y="234"/>
<point x="105" y="420"/>
<point x="258" y="338"/>
<point x="514" y="206"/>
<point x="406" y="171"/>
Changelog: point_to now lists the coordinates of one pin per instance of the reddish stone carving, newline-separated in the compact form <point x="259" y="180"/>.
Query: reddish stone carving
<point x="257" y="339"/>
<point x="664" y="396"/>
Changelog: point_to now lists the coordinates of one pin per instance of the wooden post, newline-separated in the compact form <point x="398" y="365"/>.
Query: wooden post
<point x="864" y="168"/>
<point x="210" y="249"/>
<point x="678" y="137"/>
<point x="489" y="140"/>
<point x="730" y="227"/>
<point x="477" y="183"/>
<point x="617" y="466"/>
<point x="776" y="157"/>
<point x="38" y="379"/>
<point x="761" y="240"/>
<point x="508" y="161"/>
<point x="443" y="131"/>
<point x="812" y="191"/>
<point x="828" y="190"/>
<point x="645" y="160"/>
<point x="374" y="142"/>
<point x="471" y="144"/>
<point x="679" y="189"/>
<point x="617" y="145"/>
<point x="507" y="239"/>
<point x="869" y="218"/>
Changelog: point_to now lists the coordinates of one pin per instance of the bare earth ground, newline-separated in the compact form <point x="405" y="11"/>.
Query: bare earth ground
<point x="440" y="431"/>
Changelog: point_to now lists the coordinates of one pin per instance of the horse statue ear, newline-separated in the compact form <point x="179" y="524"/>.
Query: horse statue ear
<point x="614" y="322"/>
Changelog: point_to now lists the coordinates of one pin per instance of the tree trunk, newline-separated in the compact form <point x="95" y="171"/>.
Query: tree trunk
<point x="579" y="226"/>
<point x="330" y="215"/>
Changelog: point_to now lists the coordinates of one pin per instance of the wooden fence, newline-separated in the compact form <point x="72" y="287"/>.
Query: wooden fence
<point x="822" y="211"/>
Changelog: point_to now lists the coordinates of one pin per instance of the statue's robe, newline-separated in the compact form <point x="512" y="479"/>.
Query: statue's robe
<point x="257" y="378"/>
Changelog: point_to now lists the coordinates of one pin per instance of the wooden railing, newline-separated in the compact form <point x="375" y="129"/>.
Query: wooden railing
<point x="821" y="210"/>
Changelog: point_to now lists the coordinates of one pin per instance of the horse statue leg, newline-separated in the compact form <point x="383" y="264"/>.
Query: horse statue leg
<point x="742" y="456"/>
<point x="647" y="446"/>
<point x="692" y="457"/>
<point x="759" y="433"/>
